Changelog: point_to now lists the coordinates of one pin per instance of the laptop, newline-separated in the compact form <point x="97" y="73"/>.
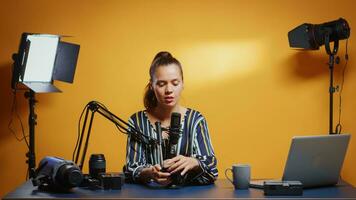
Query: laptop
<point x="314" y="160"/>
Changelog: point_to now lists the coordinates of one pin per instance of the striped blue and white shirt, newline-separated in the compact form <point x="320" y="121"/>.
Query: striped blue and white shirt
<point x="194" y="142"/>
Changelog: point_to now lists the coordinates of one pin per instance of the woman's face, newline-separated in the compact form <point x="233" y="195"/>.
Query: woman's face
<point x="167" y="84"/>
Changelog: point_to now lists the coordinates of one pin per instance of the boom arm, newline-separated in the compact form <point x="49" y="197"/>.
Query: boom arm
<point x="96" y="107"/>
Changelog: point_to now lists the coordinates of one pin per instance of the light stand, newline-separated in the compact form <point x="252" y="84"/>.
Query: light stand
<point x="41" y="58"/>
<point x="31" y="158"/>
<point x="331" y="70"/>
<point x="311" y="37"/>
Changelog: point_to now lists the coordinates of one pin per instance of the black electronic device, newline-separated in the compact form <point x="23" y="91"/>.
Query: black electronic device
<point x="111" y="181"/>
<point x="174" y="135"/>
<point x="312" y="36"/>
<point x="283" y="188"/>
<point x="56" y="173"/>
<point x="160" y="142"/>
<point x="97" y="165"/>
<point x="104" y="181"/>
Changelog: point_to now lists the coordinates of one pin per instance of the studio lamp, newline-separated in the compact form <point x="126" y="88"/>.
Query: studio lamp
<point x="311" y="36"/>
<point x="41" y="58"/>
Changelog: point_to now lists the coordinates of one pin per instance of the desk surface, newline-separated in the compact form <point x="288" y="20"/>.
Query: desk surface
<point x="222" y="189"/>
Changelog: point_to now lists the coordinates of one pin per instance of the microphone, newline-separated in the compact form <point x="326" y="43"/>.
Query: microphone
<point x="174" y="135"/>
<point x="159" y="137"/>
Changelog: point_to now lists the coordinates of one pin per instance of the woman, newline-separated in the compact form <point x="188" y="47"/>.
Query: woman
<point x="195" y="158"/>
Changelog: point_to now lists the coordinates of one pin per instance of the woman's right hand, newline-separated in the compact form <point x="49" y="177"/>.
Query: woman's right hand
<point x="154" y="172"/>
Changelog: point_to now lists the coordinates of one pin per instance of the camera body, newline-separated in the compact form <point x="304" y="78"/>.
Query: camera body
<point x="111" y="181"/>
<point x="98" y="178"/>
<point x="177" y="179"/>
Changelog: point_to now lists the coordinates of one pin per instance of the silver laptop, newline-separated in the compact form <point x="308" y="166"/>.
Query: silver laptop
<point x="314" y="160"/>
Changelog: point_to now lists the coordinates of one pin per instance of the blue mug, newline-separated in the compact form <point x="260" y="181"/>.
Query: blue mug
<point x="240" y="175"/>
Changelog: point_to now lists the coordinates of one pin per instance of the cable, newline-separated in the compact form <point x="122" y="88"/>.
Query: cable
<point x="79" y="134"/>
<point x="120" y="124"/>
<point x="339" y="126"/>
<point x="15" y="112"/>
<point x="117" y="126"/>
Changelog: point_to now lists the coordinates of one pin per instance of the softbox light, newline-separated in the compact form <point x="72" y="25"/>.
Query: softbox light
<point x="43" y="58"/>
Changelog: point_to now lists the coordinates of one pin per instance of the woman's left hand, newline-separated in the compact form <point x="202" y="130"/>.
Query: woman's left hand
<point x="181" y="163"/>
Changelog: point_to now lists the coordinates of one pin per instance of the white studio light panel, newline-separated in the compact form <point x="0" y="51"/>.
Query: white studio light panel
<point x="43" y="58"/>
<point x="40" y="60"/>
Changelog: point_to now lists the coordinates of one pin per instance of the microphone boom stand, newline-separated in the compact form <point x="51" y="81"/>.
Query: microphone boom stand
<point x="96" y="107"/>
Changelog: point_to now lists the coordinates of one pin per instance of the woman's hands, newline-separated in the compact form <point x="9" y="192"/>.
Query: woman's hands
<point x="180" y="163"/>
<point x="154" y="172"/>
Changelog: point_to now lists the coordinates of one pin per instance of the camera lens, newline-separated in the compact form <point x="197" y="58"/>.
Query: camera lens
<point x="97" y="165"/>
<point x="69" y="176"/>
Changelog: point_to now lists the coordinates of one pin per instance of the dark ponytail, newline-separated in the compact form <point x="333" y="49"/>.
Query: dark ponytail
<point x="149" y="99"/>
<point x="162" y="58"/>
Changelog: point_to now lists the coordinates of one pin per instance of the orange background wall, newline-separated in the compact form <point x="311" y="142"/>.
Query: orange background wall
<point x="240" y="73"/>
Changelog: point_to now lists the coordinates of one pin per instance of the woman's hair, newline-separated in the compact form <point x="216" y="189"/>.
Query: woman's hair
<point x="162" y="58"/>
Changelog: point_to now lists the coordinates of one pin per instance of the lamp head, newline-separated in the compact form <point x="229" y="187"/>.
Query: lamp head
<point x="312" y="36"/>
<point x="41" y="59"/>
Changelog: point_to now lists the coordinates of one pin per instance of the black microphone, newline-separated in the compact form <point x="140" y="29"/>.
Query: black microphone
<point x="159" y="137"/>
<point x="174" y="135"/>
